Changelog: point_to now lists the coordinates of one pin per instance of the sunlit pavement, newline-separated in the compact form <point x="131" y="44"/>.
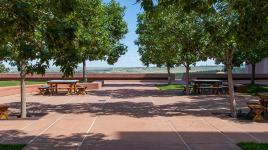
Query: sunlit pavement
<point x="129" y="116"/>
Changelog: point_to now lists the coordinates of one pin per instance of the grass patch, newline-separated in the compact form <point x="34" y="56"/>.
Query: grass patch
<point x="166" y="87"/>
<point x="17" y="83"/>
<point x="12" y="146"/>
<point x="255" y="89"/>
<point x="253" y="146"/>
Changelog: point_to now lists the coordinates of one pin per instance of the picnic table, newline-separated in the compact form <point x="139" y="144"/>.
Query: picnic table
<point x="199" y="85"/>
<point x="53" y="84"/>
<point x="3" y="111"/>
<point x="263" y="99"/>
<point x="258" y="108"/>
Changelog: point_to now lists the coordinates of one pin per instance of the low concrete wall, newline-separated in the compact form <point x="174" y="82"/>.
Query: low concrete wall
<point x="93" y="85"/>
<point x="223" y="76"/>
<point x="91" y="77"/>
<point x="13" y="90"/>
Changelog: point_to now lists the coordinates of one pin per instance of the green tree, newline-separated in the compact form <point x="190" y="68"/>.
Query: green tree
<point x="226" y="26"/>
<point x="170" y="37"/>
<point x="117" y="28"/>
<point x="110" y="28"/>
<point x="92" y="35"/>
<point x="254" y="56"/>
<point x="61" y="35"/>
<point x="21" y="42"/>
<point x="252" y="31"/>
<point x="189" y="33"/>
<point x="155" y="47"/>
<point x="221" y="24"/>
<point x="100" y="34"/>
<point x="90" y="30"/>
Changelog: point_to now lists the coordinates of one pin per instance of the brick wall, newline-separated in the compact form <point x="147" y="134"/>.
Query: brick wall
<point x="223" y="76"/>
<point x="91" y="77"/>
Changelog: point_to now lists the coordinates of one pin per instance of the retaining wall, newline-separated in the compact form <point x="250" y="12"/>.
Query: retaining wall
<point x="91" y="77"/>
<point x="223" y="76"/>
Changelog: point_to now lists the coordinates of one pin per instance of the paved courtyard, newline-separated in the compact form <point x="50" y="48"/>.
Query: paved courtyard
<point x="129" y="116"/>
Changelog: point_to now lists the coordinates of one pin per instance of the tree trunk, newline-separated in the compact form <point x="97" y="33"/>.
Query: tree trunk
<point x="253" y="73"/>
<point x="169" y="75"/>
<point x="84" y="71"/>
<point x="23" y="111"/>
<point x="187" y="79"/>
<point x="231" y="91"/>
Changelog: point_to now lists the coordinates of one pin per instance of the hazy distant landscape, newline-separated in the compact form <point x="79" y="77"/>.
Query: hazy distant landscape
<point x="177" y="70"/>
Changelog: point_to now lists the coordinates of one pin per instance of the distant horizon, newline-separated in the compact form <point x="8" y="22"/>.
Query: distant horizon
<point x="141" y="70"/>
<point x="80" y="67"/>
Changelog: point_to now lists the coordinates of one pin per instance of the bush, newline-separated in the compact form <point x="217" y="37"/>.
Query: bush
<point x="255" y="89"/>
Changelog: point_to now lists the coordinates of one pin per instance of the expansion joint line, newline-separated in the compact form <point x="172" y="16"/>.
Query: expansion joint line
<point x="91" y="125"/>
<point x="245" y="132"/>
<point x="28" y="125"/>
<point x="53" y="123"/>
<point x="171" y="125"/>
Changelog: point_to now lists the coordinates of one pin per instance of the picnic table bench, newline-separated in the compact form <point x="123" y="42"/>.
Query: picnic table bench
<point x="55" y="85"/>
<point x="44" y="89"/>
<point x="81" y="90"/>
<point x="257" y="108"/>
<point x="202" y="86"/>
<point x="264" y="99"/>
<point x="4" y="111"/>
<point x="72" y="88"/>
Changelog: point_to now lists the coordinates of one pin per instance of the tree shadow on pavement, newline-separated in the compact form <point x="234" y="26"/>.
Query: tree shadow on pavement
<point x="141" y="103"/>
<point x="195" y="106"/>
<point x="133" y="140"/>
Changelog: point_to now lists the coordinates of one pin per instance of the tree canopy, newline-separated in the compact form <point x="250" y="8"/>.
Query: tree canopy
<point x="21" y="40"/>
<point x="170" y="38"/>
<point x="91" y="30"/>
<point x="117" y="28"/>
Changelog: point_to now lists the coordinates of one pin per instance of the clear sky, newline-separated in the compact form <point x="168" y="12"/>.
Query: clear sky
<point x="131" y="58"/>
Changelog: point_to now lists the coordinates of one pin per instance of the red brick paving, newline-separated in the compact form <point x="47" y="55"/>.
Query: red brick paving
<point x="130" y="115"/>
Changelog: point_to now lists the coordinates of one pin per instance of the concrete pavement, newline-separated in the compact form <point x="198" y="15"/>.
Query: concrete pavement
<point x="129" y="115"/>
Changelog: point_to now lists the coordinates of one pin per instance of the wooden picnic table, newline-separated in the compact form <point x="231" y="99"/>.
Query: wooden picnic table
<point x="3" y="111"/>
<point x="258" y="108"/>
<point x="201" y="81"/>
<point x="53" y="84"/>
<point x="197" y="84"/>
<point x="263" y="99"/>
